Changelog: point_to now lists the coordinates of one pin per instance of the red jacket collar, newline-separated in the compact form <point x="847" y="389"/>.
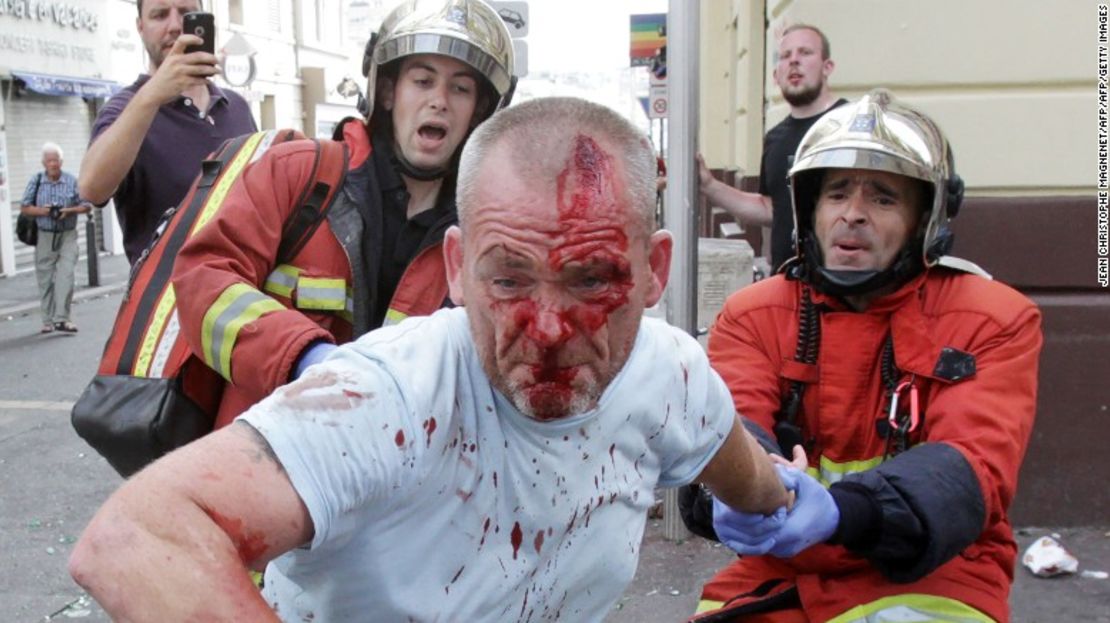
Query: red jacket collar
<point x="357" y="137"/>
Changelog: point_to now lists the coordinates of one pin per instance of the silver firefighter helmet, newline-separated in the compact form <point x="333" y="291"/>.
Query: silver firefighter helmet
<point x="467" y="30"/>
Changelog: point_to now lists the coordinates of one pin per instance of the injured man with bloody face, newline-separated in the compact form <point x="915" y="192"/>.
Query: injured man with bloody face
<point x="490" y="462"/>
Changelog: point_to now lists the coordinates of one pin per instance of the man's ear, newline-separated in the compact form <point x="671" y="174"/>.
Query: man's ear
<point x="829" y="66"/>
<point x="453" y="261"/>
<point x="660" y="246"/>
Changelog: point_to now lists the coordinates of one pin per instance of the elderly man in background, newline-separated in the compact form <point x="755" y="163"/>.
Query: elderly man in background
<point x="51" y="197"/>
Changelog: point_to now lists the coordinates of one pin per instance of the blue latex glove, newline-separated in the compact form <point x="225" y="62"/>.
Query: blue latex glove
<point x="750" y="534"/>
<point x="314" y="354"/>
<point x="812" y="520"/>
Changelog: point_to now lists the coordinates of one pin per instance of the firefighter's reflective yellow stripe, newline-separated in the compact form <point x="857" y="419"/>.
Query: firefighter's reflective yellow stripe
<point x="348" y="312"/>
<point x="157" y="323"/>
<point x="706" y="605"/>
<point x="392" y="317"/>
<point x="266" y="142"/>
<point x="830" y="471"/>
<point x="282" y="281"/>
<point x="219" y="192"/>
<point x="913" y="608"/>
<point x="321" y="293"/>
<point x="235" y="307"/>
<point x="165" y="346"/>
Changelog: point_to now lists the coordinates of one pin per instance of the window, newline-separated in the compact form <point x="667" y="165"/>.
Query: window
<point x="273" y="15"/>
<point x="328" y="17"/>
<point x="235" y="11"/>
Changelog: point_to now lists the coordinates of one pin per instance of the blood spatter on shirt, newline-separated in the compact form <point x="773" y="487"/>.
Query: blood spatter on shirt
<point x="523" y="605"/>
<point x="321" y="390"/>
<point x="485" y="530"/>
<point x="429" y="428"/>
<point x="516" y="537"/>
<point x="313" y="380"/>
<point x="399" y="438"/>
<point x="538" y="541"/>
<point x="250" y="544"/>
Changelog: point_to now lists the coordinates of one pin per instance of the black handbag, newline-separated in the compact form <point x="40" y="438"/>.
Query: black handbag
<point x="149" y="417"/>
<point x="27" y="230"/>
<point x="26" y="227"/>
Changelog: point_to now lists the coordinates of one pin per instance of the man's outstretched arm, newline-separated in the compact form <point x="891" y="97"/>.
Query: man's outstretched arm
<point x="742" y="475"/>
<point x="748" y="209"/>
<point x="175" y="542"/>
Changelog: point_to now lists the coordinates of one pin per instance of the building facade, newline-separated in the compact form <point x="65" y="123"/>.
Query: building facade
<point x="61" y="59"/>
<point x="1012" y="84"/>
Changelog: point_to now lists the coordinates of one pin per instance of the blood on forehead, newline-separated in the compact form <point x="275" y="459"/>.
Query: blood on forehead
<point x="588" y="188"/>
<point x="592" y="215"/>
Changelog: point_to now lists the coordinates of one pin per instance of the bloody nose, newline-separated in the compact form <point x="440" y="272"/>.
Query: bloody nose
<point x="548" y="328"/>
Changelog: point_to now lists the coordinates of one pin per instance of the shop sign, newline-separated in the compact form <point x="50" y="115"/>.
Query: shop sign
<point x="65" y="14"/>
<point x="57" y="37"/>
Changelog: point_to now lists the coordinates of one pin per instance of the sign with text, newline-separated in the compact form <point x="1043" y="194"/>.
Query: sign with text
<point x="55" y="37"/>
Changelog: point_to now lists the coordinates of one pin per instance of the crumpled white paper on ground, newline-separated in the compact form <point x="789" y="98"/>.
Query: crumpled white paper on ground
<point x="1045" y="557"/>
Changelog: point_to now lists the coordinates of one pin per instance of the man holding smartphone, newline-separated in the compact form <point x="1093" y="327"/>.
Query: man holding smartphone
<point x="150" y="138"/>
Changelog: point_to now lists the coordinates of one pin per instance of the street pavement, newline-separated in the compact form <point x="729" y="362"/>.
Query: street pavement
<point x="51" y="483"/>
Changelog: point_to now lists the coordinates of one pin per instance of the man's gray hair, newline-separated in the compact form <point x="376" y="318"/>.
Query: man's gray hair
<point x="541" y="134"/>
<point x="49" y="147"/>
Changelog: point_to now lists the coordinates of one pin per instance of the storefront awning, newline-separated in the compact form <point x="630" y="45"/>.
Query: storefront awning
<point x="67" y="85"/>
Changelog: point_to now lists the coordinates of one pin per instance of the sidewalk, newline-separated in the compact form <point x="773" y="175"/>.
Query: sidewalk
<point x="19" y="294"/>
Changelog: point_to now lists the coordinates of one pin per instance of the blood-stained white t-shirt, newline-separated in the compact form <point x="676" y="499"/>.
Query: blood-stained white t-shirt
<point x="434" y="499"/>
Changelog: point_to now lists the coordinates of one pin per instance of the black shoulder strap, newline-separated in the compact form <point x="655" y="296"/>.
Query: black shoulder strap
<point x="160" y="274"/>
<point x="328" y="170"/>
<point x="787" y="430"/>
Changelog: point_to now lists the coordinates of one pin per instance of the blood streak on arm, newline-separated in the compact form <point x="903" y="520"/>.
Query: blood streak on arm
<point x="250" y="544"/>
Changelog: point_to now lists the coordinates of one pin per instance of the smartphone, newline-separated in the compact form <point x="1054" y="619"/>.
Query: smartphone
<point x="202" y="25"/>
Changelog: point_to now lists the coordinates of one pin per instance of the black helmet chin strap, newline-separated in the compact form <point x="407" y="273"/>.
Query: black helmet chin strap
<point x="421" y="174"/>
<point x="856" y="282"/>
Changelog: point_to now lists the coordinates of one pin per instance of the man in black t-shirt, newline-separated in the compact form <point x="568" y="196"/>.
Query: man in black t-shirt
<point x="801" y="72"/>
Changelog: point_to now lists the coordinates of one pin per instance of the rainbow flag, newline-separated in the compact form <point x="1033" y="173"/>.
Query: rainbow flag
<point x="649" y="33"/>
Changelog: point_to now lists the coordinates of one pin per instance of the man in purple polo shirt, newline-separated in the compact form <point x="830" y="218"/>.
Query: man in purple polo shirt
<point x="150" y="138"/>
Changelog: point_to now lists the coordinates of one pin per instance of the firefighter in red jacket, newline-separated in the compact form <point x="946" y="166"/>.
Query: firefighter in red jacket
<point x="435" y="70"/>
<point x="902" y="380"/>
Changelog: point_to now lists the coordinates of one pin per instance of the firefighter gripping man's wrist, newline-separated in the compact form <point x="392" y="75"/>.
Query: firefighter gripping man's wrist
<point x="901" y="379"/>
